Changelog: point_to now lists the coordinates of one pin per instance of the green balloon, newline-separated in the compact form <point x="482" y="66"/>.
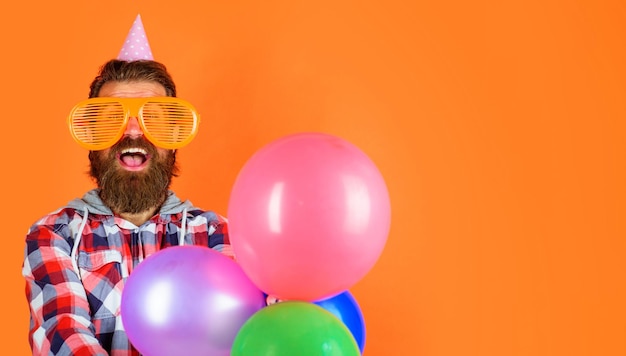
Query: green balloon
<point x="294" y="328"/>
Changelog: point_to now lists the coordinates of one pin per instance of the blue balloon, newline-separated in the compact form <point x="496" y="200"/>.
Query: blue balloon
<point x="346" y="308"/>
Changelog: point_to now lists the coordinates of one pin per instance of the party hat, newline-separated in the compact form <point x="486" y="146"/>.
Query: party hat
<point x="136" y="45"/>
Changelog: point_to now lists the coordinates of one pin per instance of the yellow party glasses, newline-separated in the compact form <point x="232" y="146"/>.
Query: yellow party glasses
<point x="168" y="122"/>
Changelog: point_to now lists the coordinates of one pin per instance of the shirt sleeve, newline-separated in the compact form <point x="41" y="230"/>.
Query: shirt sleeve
<point x="205" y="228"/>
<point x="218" y="236"/>
<point x="60" y="320"/>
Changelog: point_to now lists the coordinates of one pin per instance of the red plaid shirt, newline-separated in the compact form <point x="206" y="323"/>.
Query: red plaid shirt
<point x="74" y="289"/>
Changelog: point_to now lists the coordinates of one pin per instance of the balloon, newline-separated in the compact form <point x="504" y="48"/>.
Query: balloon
<point x="346" y="308"/>
<point x="294" y="328"/>
<point x="187" y="300"/>
<point x="309" y="215"/>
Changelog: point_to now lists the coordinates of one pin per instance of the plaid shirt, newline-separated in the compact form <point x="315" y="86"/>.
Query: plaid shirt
<point x="74" y="292"/>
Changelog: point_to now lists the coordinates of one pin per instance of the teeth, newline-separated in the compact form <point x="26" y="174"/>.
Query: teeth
<point x="134" y="151"/>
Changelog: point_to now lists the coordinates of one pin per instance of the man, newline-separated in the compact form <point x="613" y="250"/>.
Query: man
<point x="78" y="257"/>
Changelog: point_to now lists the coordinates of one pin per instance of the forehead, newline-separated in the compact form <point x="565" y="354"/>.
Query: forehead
<point x="132" y="89"/>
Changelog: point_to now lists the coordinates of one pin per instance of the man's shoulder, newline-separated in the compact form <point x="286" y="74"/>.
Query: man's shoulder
<point x="57" y="216"/>
<point x="208" y="216"/>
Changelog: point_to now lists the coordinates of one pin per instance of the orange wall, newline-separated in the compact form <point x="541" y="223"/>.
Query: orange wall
<point x="498" y="126"/>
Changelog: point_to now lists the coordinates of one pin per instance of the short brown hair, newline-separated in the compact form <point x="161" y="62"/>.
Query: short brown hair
<point x="117" y="70"/>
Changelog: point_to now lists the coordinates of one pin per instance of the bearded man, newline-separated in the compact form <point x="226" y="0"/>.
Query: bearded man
<point x="78" y="257"/>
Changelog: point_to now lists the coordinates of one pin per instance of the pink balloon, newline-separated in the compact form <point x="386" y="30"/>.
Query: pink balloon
<point x="187" y="300"/>
<point x="309" y="216"/>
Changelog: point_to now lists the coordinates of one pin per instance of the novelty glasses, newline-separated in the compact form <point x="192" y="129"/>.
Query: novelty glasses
<point x="168" y="122"/>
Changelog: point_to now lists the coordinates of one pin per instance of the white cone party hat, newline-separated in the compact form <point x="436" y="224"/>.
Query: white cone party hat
<point x="136" y="45"/>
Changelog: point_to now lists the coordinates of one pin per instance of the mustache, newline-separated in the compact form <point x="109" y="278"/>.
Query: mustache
<point x="129" y="142"/>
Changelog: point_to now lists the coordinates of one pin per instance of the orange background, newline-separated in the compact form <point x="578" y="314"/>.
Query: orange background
<point x="498" y="126"/>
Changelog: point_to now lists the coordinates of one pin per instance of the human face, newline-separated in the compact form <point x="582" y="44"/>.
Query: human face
<point x="133" y="159"/>
<point x="133" y="175"/>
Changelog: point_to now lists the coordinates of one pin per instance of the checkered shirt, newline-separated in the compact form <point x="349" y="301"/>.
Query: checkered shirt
<point x="75" y="305"/>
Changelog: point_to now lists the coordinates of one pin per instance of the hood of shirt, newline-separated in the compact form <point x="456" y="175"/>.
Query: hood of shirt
<point x="93" y="204"/>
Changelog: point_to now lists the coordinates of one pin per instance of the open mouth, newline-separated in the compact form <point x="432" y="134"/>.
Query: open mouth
<point x="133" y="159"/>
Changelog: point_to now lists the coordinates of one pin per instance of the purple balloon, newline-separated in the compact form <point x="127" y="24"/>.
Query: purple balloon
<point x="187" y="300"/>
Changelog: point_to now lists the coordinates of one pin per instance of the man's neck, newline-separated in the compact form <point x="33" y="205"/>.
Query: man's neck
<point x="138" y="218"/>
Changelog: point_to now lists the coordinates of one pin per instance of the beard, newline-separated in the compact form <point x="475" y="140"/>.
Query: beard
<point x="133" y="192"/>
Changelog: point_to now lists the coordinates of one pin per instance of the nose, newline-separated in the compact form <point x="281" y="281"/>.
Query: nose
<point x="133" y="129"/>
